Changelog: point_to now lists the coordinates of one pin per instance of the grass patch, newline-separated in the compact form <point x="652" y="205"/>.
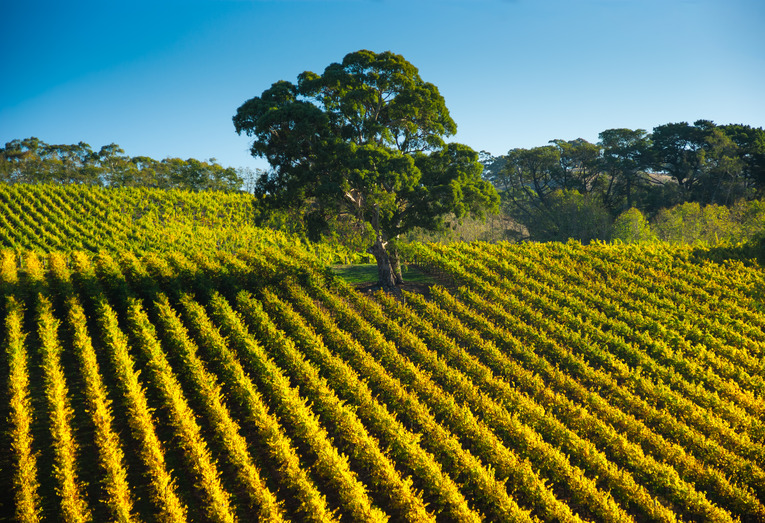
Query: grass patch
<point x="367" y="273"/>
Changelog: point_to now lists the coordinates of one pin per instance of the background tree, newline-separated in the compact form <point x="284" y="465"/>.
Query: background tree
<point x="365" y="139"/>
<point x="579" y="164"/>
<point x="571" y="215"/>
<point x="249" y="178"/>
<point x="33" y="161"/>
<point x="21" y="161"/>
<point x="196" y="175"/>
<point x="625" y="158"/>
<point x="116" y="169"/>
<point x="720" y="178"/>
<point x="677" y="163"/>
<point x="631" y="226"/>
<point x="677" y="151"/>
<point x="711" y="224"/>
<point x="751" y="149"/>
<point x="529" y="177"/>
<point x="494" y="170"/>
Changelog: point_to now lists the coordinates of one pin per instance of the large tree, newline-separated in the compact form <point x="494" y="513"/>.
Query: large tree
<point x="365" y="139"/>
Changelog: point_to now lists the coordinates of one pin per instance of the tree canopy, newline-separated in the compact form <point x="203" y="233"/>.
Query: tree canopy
<point x="674" y="164"/>
<point x="365" y="140"/>
<point x="33" y="161"/>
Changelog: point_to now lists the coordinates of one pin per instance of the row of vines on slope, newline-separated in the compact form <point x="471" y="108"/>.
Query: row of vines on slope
<point x="253" y="385"/>
<point x="66" y="218"/>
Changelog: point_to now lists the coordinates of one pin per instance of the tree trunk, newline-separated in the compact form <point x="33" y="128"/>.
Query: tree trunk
<point x="385" y="275"/>
<point x="395" y="264"/>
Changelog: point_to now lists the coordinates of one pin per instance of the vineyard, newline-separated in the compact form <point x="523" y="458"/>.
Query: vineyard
<point x="156" y="366"/>
<point x="49" y="218"/>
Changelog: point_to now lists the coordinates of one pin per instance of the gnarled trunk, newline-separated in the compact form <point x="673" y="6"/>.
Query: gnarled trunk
<point x="386" y="277"/>
<point x="385" y="274"/>
<point x="395" y="264"/>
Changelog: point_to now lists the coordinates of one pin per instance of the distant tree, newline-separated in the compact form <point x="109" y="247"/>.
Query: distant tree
<point x="677" y="149"/>
<point x="72" y="164"/>
<point x="34" y="161"/>
<point x="627" y="169"/>
<point x="691" y="222"/>
<point x="149" y="173"/>
<point x="21" y="161"/>
<point x="117" y="169"/>
<point x="579" y="164"/>
<point x="631" y="226"/>
<point x="196" y="175"/>
<point x="570" y="215"/>
<point x="222" y="178"/>
<point x="625" y="156"/>
<point x="750" y="215"/>
<point x="249" y="178"/>
<point x="528" y="177"/>
<point x="751" y="150"/>
<point x="494" y="170"/>
<point x="720" y="178"/>
<point x="365" y="139"/>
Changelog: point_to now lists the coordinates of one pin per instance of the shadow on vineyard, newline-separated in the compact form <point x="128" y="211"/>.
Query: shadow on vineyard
<point x="751" y="252"/>
<point x="364" y="278"/>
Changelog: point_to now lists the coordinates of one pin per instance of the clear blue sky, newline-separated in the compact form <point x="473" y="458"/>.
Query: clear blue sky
<point x="163" y="79"/>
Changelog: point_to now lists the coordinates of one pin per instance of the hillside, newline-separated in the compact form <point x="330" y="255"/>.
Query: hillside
<point x="48" y="218"/>
<point x="173" y="376"/>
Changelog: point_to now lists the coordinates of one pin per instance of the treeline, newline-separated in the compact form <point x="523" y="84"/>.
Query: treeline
<point x="34" y="161"/>
<point x="576" y="189"/>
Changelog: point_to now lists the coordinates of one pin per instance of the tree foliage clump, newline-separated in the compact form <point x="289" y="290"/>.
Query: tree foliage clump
<point x="710" y="224"/>
<point x="571" y="215"/>
<point x="365" y="140"/>
<point x="631" y="226"/>
<point x="34" y="161"/>
<point x="675" y="164"/>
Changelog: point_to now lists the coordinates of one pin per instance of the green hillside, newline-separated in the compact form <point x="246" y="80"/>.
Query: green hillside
<point x="80" y="217"/>
<point x="165" y="360"/>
